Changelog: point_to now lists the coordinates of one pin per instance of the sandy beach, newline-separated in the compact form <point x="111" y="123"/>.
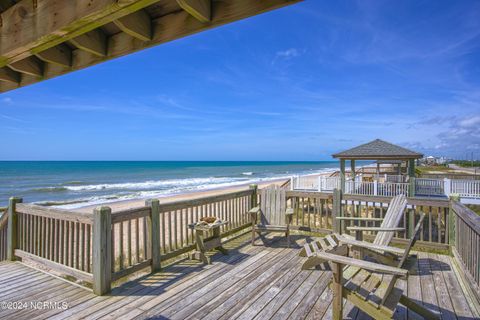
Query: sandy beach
<point x="127" y="204"/>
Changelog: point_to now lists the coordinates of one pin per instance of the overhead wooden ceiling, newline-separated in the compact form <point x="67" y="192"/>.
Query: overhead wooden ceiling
<point x="42" y="39"/>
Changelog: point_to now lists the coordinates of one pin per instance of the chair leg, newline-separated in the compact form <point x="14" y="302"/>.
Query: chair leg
<point x="253" y="236"/>
<point x="287" y="234"/>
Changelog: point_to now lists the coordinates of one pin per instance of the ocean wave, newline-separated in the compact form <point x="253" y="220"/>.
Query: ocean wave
<point x="50" y="189"/>
<point x="152" y="184"/>
<point x="73" y="183"/>
<point x="247" y="173"/>
<point x="158" y="188"/>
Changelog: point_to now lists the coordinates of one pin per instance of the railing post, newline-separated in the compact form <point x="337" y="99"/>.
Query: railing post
<point x="102" y="250"/>
<point x="254" y="199"/>
<point x="319" y="183"/>
<point x="291" y="182"/>
<point x="12" y="228"/>
<point x="153" y="227"/>
<point x="451" y="222"/>
<point x="411" y="223"/>
<point x="411" y="187"/>
<point x="375" y="187"/>
<point x="447" y="187"/>
<point x="337" y="210"/>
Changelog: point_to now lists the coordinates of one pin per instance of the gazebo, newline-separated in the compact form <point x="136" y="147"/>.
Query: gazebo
<point x="380" y="151"/>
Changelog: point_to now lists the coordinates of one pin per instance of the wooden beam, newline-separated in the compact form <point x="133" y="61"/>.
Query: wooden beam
<point x="137" y="24"/>
<point x="200" y="9"/>
<point x="31" y="65"/>
<point x="61" y="55"/>
<point x="31" y="27"/>
<point x="166" y="28"/>
<point x="7" y="74"/>
<point x="94" y="42"/>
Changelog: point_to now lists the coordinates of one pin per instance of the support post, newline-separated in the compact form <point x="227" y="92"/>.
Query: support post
<point x="337" y="210"/>
<point x="411" y="223"/>
<point x="153" y="227"/>
<point x="291" y="183"/>
<point x="102" y="250"/>
<point x="352" y="169"/>
<point x="254" y="199"/>
<point x="411" y="187"/>
<point x="337" y="288"/>
<point x="342" y="175"/>
<point x="320" y="183"/>
<point x="375" y="187"/>
<point x="12" y="227"/>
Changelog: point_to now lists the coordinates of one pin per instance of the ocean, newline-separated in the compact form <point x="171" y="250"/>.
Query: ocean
<point x="73" y="184"/>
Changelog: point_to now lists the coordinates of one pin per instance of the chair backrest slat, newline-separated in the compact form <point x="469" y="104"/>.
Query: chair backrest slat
<point x="412" y="241"/>
<point x="273" y="204"/>
<point x="391" y="220"/>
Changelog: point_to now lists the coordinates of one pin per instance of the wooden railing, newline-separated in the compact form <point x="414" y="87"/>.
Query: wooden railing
<point x="59" y="239"/>
<point x="130" y="241"/>
<point x="104" y="246"/>
<point x="466" y="188"/>
<point x="466" y="243"/>
<point x="175" y="217"/>
<point x="429" y="187"/>
<point x="316" y="211"/>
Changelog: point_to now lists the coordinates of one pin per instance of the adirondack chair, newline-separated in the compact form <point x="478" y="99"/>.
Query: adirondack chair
<point x="372" y="287"/>
<point x="384" y="236"/>
<point x="272" y="214"/>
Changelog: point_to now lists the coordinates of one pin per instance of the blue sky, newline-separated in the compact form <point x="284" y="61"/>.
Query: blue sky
<point x="298" y="83"/>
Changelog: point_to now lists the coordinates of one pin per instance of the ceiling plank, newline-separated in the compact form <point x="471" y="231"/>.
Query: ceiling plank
<point x="8" y="75"/>
<point x="61" y="55"/>
<point x="31" y="65"/>
<point x="94" y="42"/>
<point x="200" y="9"/>
<point x="137" y="24"/>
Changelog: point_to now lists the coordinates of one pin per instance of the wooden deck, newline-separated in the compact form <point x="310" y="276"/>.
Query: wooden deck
<point x="250" y="283"/>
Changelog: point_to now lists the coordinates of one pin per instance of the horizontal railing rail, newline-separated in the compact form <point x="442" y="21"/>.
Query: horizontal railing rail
<point x="466" y="246"/>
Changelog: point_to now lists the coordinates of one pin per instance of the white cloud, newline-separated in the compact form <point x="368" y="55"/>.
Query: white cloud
<point x="289" y="53"/>
<point x="7" y="100"/>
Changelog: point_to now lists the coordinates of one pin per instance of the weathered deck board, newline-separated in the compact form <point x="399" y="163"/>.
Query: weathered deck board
<point x="252" y="282"/>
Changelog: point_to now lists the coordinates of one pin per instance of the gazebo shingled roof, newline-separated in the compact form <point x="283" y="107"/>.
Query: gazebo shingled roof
<point x="378" y="150"/>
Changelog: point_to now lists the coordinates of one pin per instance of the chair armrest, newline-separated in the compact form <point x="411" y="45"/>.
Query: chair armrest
<point x="375" y="229"/>
<point x="289" y="212"/>
<point x="359" y="219"/>
<point x="254" y="210"/>
<point x="369" y="245"/>
<point x="367" y="265"/>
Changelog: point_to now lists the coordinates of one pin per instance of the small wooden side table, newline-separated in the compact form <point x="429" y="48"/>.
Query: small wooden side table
<point x="205" y="244"/>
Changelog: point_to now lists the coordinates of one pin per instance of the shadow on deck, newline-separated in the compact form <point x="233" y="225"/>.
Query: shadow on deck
<point x="252" y="282"/>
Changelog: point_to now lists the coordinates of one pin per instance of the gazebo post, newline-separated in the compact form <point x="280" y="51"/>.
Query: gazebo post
<point x="352" y="169"/>
<point x="411" y="177"/>
<point x="342" y="175"/>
